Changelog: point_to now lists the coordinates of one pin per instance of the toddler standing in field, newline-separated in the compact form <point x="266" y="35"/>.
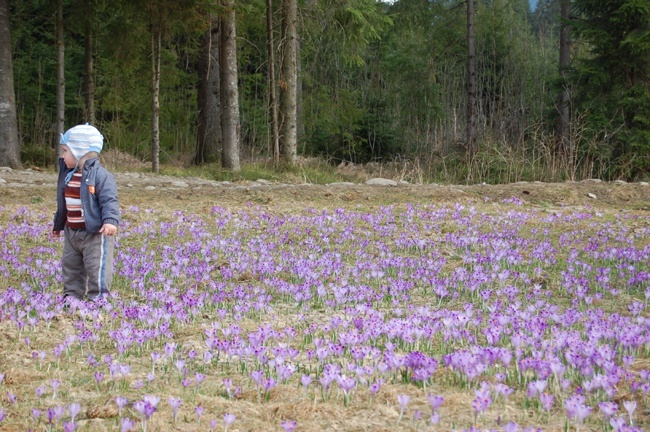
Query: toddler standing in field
<point x="88" y="213"/>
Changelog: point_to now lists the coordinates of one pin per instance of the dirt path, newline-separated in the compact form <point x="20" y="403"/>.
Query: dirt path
<point x="21" y="187"/>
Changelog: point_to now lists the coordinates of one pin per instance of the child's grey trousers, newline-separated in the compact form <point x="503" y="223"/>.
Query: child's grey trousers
<point x="87" y="264"/>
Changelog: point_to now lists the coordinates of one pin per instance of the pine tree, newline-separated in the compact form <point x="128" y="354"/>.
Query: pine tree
<point x="614" y="79"/>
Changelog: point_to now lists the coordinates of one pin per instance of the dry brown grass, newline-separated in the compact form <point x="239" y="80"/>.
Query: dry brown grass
<point x="287" y="401"/>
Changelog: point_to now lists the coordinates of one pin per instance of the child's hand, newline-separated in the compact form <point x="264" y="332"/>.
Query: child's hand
<point x="108" y="229"/>
<point x="56" y="233"/>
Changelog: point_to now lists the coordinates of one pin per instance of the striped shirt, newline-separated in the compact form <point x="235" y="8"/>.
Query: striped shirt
<point x="75" y="217"/>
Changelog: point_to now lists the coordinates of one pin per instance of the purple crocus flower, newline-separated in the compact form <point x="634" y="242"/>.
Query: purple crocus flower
<point x="40" y="390"/>
<point x="126" y="424"/>
<point x="174" y="403"/>
<point x="617" y="424"/>
<point x="305" y="380"/>
<point x="375" y="387"/>
<point x="547" y="401"/>
<point x="139" y="406"/>
<point x="99" y="376"/>
<point x="199" y="412"/>
<point x="482" y="400"/>
<point x="69" y="426"/>
<point x="180" y="364"/>
<point x="257" y="377"/>
<point x="227" y="384"/>
<point x="155" y="356"/>
<point x="582" y="412"/>
<point x="74" y="409"/>
<point x="149" y="409"/>
<point x="228" y="419"/>
<point x="3" y="414"/>
<point x="325" y="381"/>
<point x="121" y="402"/>
<point x="403" y="402"/>
<point x="55" y="386"/>
<point x="54" y="413"/>
<point x="346" y="383"/>
<point x="170" y="347"/>
<point x="536" y="388"/>
<point x="630" y="407"/>
<point x="608" y="408"/>
<point x="269" y="383"/>
<point x="289" y="425"/>
<point x="435" y="401"/>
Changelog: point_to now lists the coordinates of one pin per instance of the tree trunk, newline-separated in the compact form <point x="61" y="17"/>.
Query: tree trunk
<point x="9" y="142"/>
<point x="60" y="73"/>
<point x="89" y="81"/>
<point x="155" y="84"/>
<point x="300" y="124"/>
<point x="273" y="105"/>
<point x="288" y="82"/>
<point x="229" y="90"/>
<point x="471" y="88"/>
<point x="562" y="143"/>
<point x="209" y="118"/>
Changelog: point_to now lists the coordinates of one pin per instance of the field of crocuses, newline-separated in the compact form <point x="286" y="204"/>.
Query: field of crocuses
<point x="475" y="316"/>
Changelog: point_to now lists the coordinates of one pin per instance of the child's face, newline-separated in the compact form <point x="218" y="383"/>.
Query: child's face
<point x="68" y="157"/>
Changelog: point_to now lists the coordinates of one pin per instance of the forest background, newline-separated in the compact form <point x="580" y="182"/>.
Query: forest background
<point x="376" y="82"/>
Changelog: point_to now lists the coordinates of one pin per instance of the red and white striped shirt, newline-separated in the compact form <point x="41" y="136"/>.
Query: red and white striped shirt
<point x="74" y="218"/>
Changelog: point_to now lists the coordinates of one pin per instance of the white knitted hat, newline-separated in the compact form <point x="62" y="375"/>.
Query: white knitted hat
<point x="83" y="139"/>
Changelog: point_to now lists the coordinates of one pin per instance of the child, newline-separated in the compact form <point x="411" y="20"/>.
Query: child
<point x="88" y="213"/>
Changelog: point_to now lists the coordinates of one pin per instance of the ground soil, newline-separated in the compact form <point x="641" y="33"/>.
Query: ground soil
<point x="32" y="186"/>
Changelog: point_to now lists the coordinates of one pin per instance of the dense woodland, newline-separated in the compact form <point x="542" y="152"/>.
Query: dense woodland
<point x="485" y="90"/>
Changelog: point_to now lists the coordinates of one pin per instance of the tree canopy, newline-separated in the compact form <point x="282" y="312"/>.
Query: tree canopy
<point x="376" y="81"/>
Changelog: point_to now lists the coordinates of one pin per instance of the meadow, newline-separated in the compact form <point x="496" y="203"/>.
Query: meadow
<point x="489" y="314"/>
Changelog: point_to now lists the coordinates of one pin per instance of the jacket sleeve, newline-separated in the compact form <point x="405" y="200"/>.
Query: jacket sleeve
<point x="60" y="214"/>
<point x="108" y="202"/>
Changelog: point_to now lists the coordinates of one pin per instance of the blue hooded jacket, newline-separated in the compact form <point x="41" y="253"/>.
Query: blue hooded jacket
<point x="98" y="196"/>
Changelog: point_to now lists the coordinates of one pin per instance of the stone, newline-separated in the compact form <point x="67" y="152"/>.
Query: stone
<point x="592" y="196"/>
<point x="378" y="181"/>
<point x="341" y="184"/>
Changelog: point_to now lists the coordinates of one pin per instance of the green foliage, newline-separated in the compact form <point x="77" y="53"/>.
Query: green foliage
<point x="253" y="78"/>
<point x="339" y="82"/>
<point x="33" y="29"/>
<point x="315" y="171"/>
<point x="380" y="82"/>
<point x="38" y="155"/>
<point x="613" y="80"/>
